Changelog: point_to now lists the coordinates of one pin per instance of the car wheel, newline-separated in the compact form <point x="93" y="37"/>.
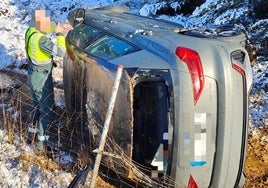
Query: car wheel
<point x="221" y="33"/>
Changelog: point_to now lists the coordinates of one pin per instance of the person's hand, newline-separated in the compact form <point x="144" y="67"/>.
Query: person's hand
<point x="63" y="28"/>
<point x="67" y="27"/>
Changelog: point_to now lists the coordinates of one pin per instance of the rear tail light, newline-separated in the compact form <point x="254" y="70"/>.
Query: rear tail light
<point x="237" y="58"/>
<point x="238" y="69"/>
<point x="194" y="64"/>
<point x="192" y="183"/>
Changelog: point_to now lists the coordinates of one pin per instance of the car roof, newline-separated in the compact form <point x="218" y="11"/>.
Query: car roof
<point x="126" y="25"/>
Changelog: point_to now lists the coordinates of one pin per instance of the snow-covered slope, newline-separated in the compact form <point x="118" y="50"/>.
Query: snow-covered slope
<point x="15" y="17"/>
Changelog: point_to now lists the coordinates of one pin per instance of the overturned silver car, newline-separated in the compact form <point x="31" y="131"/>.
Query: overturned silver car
<point x="181" y="112"/>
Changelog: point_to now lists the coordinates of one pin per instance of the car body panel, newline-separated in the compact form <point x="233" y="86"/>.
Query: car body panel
<point x="204" y="141"/>
<point x="88" y="93"/>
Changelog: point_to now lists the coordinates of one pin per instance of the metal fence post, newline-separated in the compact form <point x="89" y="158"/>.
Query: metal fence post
<point x="106" y="125"/>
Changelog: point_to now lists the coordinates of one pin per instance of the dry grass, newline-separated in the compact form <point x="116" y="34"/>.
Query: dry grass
<point x="256" y="168"/>
<point x="14" y="115"/>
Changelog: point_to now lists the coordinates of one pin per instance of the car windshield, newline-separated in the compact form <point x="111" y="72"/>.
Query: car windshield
<point x="100" y="44"/>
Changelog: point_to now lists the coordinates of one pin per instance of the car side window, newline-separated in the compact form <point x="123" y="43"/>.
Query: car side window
<point x="99" y="43"/>
<point x="83" y="34"/>
<point x="109" y="47"/>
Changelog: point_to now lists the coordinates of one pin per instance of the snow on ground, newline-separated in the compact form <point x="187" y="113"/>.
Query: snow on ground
<point x="15" y="17"/>
<point x="259" y="97"/>
<point x="19" y="167"/>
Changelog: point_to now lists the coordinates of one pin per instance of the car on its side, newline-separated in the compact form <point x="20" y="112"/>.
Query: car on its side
<point x="181" y="113"/>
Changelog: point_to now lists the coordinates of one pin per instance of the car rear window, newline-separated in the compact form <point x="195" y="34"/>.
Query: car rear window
<point x="100" y="44"/>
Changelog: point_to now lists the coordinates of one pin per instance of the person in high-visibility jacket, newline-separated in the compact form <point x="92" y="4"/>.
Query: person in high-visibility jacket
<point x="40" y="50"/>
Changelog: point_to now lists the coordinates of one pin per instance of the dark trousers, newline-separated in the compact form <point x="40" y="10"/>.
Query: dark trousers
<point x="41" y="86"/>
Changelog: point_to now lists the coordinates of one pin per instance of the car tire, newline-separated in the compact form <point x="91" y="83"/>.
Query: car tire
<point x="221" y="33"/>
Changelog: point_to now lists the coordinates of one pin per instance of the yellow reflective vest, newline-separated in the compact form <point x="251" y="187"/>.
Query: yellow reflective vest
<point x="40" y="49"/>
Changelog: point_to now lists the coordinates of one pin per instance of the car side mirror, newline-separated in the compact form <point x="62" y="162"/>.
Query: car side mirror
<point x="79" y="16"/>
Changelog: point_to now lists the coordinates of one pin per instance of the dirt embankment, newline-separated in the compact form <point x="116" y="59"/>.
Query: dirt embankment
<point x="256" y="168"/>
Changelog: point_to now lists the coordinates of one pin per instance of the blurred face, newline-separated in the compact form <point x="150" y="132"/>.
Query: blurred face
<point x="42" y="20"/>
